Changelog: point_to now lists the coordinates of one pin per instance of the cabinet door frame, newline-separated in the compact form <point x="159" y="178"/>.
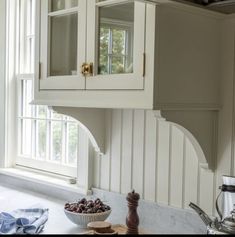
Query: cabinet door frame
<point x="129" y="81"/>
<point x="68" y="82"/>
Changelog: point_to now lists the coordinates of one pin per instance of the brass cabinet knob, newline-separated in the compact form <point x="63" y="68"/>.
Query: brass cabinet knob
<point x="87" y="69"/>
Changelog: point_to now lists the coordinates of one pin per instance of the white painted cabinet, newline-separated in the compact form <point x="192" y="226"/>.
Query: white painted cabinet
<point x="89" y="45"/>
<point x="126" y="54"/>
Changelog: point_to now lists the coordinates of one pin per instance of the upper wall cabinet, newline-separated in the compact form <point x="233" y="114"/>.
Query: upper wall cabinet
<point x="126" y="54"/>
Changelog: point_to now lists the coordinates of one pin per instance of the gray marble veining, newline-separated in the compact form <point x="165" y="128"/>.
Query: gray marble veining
<point x="155" y="219"/>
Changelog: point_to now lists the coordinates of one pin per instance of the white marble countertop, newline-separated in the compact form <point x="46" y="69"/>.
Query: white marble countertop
<point x="57" y="223"/>
<point x="153" y="217"/>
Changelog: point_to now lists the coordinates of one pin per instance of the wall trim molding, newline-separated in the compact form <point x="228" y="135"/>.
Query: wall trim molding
<point x="189" y="106"/>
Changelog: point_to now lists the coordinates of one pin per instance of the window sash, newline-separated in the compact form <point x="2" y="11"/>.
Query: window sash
<point x="29" y="156"/>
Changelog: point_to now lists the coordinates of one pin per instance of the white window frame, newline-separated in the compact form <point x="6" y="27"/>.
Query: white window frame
<point x="11" y="160"/>
<point x="33" y="161"/>
<point x="2" y="81"/>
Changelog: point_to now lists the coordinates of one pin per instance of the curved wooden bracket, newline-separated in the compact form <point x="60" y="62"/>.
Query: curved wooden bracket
<point x="92" y="120"/>
<point x="201" y="127"/>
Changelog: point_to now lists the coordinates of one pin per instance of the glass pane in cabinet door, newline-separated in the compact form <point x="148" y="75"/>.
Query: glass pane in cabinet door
<point x="57" y="5"/>
<point x="116" y="39"/>
<point x="63" y="45"/>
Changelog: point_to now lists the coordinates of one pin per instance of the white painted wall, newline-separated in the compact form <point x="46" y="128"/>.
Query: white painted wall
<point x="155" y="158"/>
<point x="2" y="77"/>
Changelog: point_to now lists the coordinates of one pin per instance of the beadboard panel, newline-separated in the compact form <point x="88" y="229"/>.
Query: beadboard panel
<point x="105" y="161"/>
<point x="116" y="151"/>
<point x="176" y="167"/>
<point x="150" y="157"/>
<point x="138" y="151"/>
<point x="155" y="158"/>
<point x="127" y="151"/>
<point x="191" y="175"/>
<point x="163" y="159"/>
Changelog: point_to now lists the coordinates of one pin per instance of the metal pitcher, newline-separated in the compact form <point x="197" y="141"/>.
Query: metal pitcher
<point x="226" y="222"/>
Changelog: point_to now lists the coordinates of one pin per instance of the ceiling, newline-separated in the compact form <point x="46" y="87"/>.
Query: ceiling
<point x="223" y="6"/>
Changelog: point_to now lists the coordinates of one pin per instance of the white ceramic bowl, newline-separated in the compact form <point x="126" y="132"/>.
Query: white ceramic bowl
<point x="83" y="219"/>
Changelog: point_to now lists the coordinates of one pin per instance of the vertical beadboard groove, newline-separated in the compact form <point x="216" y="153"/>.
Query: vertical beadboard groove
<point x="216" y="125"/>
<point x="198" y="184"/>
<point x="127" y="135"/>
<point x="150" y="157"/>
<point x="132" y="148"/>
<point x="116" y="152"/>
<point x="121" y="154"/>
<point x="99" y="171"/>
<point x="138" y="151"/>
<point x="156" y="157"/>
<point x="163" y="162"/>
<point x="191" y="175"/>
<point x="144" y="157"/>
<point x="169" y="171"/>
<point x="111" y="148"/>
<point x="183" y="174"/>
<point x="105" y="159"/>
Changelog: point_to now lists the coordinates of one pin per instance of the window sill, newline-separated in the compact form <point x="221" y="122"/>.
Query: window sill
<point x="50" y="185"/>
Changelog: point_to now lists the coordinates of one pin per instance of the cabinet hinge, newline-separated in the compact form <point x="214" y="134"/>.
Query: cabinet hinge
<point x="144" y="63"/>
<point x="39" y="70"/>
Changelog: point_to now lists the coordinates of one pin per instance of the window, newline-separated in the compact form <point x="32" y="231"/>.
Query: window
<point x="46" y="140"/>
<point x="115" y="46"/>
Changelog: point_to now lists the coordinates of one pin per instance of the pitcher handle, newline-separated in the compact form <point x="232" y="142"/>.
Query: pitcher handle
<point x="217" y="206"/>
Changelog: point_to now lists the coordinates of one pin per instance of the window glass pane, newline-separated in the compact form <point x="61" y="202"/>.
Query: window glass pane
<point x="57" y="5"/>
<point x="63" y="45"/>
<point x="31" y="54"/>
<point x="26" y="126"/>
<point x="56" y="141"/>
<point x="42" y="111"/>
<point x="41" y="134"/>
<point x="71" y="119"/>
<point x="57" y="116"/>
<point x="118" y="65"/>
<point x="26" y="98"/>
<point x="116" y="39"/>
<point x="119" y="42"/>
<point x="72" y="143"/>
<point x="104" y="50"/>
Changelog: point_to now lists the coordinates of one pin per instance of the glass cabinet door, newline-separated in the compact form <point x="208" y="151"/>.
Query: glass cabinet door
<point x="63" y="27"/>
<point x="116" y="44"/>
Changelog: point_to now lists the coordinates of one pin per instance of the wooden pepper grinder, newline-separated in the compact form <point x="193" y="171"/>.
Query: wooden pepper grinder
<point x="132" y="219"/>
